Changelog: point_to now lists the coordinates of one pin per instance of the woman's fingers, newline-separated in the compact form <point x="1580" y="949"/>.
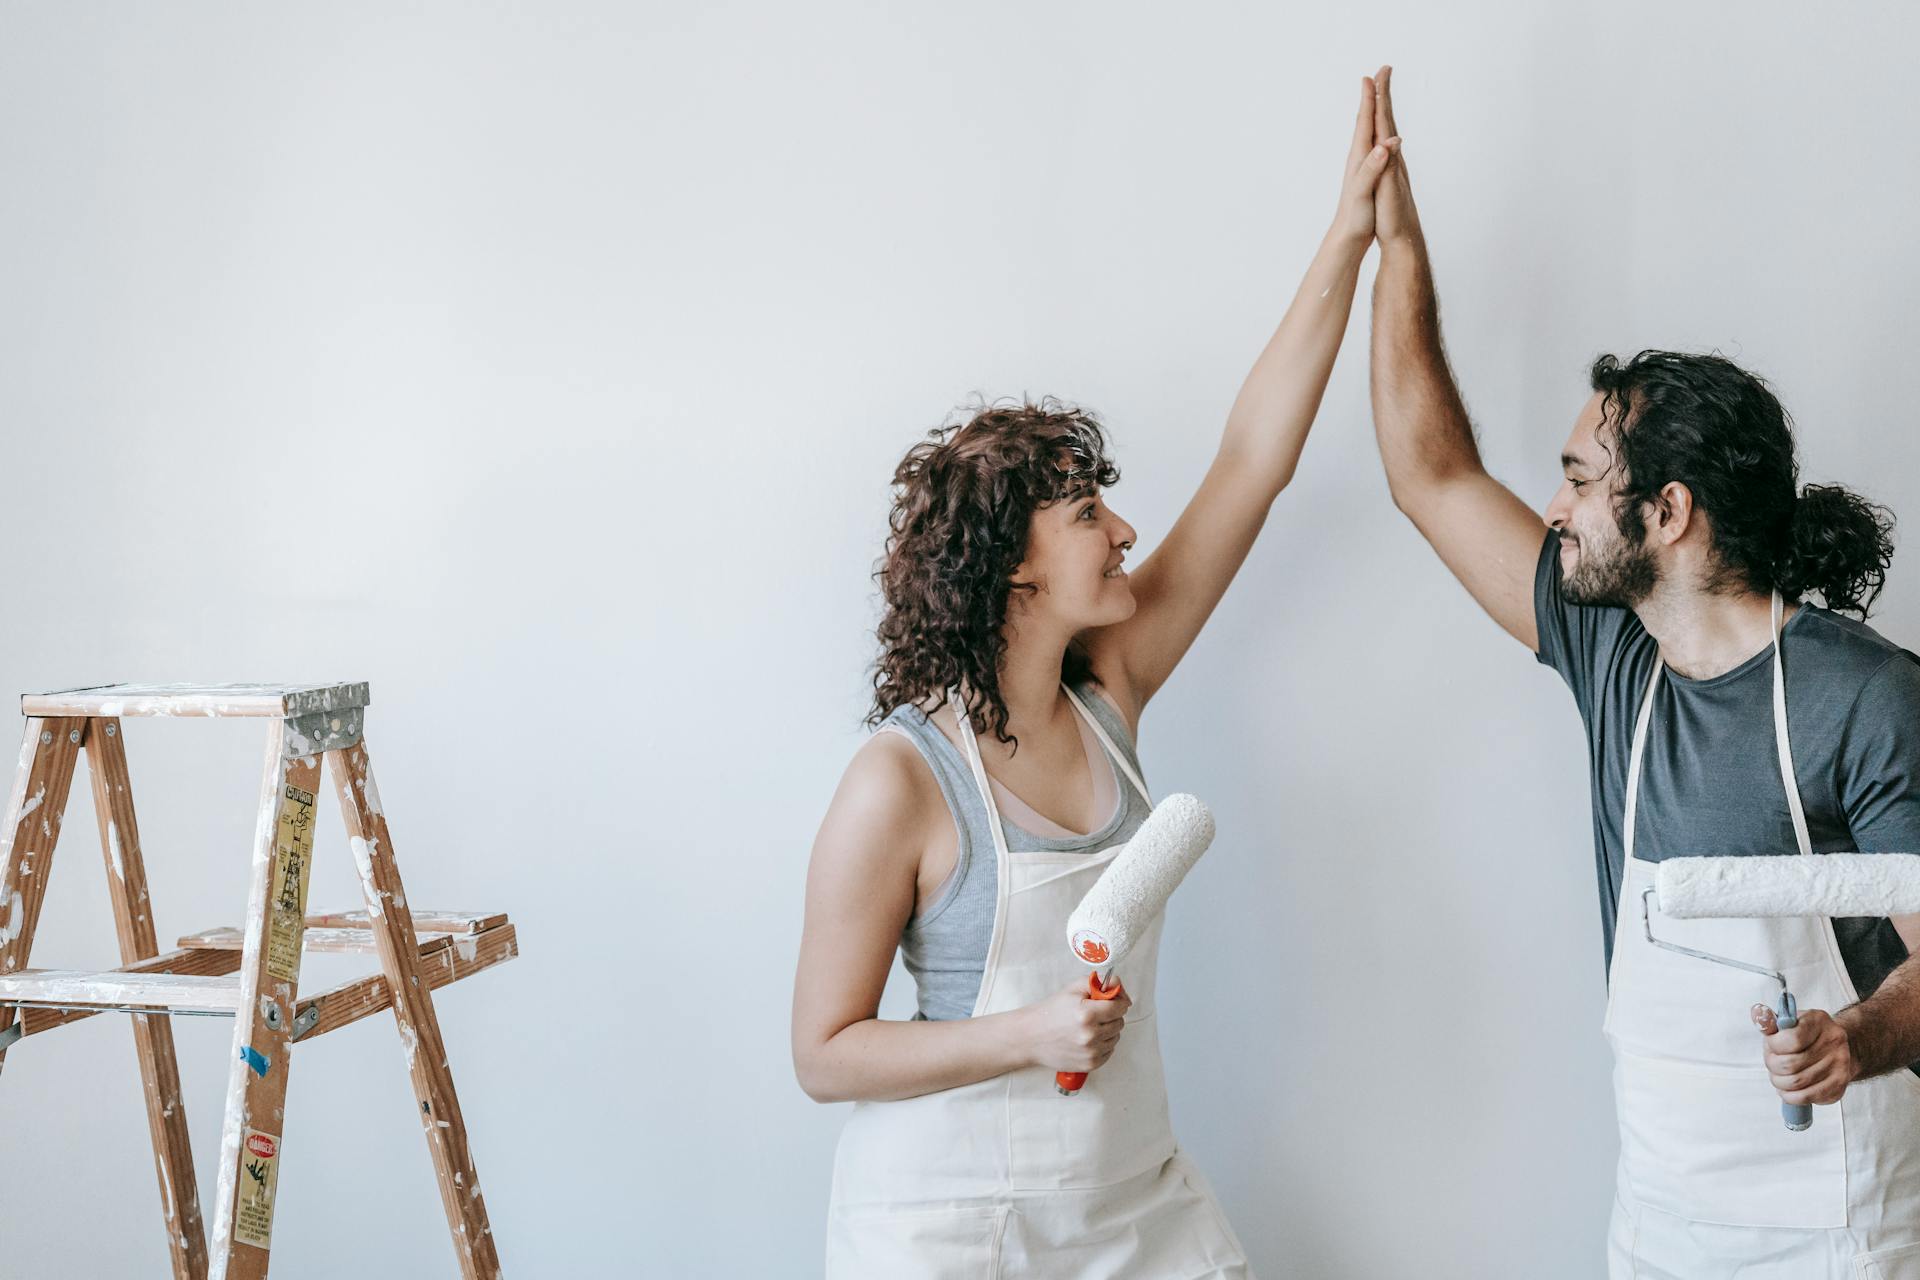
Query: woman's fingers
<point x="1375" y="164"/>
<point x="1363" y="133"/>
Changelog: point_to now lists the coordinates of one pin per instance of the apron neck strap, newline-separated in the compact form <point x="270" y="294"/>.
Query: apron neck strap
<point x="1118" y="756"/>
<point x="1636" y="757"/>
<point x="969" y="745"/>
<point x="1780" y="743"/>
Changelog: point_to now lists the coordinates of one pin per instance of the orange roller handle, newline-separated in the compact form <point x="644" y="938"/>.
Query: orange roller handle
<point x="1071" y="1082"/>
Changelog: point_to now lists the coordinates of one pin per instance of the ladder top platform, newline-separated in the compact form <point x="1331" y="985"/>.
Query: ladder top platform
<point x="280" y="701"/>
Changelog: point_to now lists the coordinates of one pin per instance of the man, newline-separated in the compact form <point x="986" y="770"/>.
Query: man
<point x="1665" y="586"/>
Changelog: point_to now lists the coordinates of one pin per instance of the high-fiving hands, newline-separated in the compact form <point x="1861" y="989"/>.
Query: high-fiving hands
<point x="1370" y="156"/>
<point x="1396" y="219"/>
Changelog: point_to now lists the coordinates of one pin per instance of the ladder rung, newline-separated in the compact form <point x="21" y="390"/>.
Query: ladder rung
<point x="441" y="962"/>
<point x="351" y="931"/>
<point x="34" y="1021"/>
<point x="83" y="989"/>
<point x="314" y="938"/>
<point x="424" y="921"/>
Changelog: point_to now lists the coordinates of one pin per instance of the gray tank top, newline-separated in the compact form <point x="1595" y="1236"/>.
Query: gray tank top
<point x="945" y="946"/>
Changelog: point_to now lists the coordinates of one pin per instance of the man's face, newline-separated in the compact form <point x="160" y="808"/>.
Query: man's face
<point x="1601" y="562"/>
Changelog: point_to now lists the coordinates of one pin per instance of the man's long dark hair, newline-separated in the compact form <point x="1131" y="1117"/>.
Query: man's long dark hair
<point x="1705" y="422"/>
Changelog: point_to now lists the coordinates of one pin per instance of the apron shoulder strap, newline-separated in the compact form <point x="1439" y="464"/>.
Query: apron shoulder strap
<point x="1780" y="741"/>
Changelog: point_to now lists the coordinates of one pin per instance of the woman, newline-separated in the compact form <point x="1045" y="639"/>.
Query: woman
<point x="1017" y="657"/>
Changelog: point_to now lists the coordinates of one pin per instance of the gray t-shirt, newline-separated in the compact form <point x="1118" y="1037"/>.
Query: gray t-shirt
<point x="1711" y="784"/>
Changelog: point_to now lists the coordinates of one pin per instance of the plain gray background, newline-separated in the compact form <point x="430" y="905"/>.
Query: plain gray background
<point x="545" y="365"/>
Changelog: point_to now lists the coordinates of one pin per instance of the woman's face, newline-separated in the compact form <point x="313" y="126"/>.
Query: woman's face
<point x="1074" y="553"/>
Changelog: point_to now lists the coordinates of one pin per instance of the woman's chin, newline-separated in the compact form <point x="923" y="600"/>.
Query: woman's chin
<point x="1122" y="609"/>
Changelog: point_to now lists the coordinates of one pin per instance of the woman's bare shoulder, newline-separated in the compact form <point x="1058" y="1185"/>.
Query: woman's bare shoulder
<point x="887" y="799"/>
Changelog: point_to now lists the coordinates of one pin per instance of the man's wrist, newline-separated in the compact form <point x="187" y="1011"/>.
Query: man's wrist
<point x="1405" y="246"/>
<point x="1859" y="1030"/>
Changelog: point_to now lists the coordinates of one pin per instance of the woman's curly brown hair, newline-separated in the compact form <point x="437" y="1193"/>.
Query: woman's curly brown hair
<point x="964" y="500"/>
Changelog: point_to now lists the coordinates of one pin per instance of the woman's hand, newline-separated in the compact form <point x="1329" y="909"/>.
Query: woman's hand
<point x="1367" y="159"/>
<point x="1070" y="1031"/>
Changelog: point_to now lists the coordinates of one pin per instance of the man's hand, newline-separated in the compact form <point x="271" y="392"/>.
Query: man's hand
<point x="1811" y="1062"/>
<point x="1368" y="158"/>
<point x="1396" y="219"/>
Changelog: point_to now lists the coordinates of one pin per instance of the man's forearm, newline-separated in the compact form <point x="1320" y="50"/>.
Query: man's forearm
<point x="1418" y="417"/>
<point x="1883" y="1031"/>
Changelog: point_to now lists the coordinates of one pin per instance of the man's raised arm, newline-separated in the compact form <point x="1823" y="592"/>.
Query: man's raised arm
<point x="1486" y="535"/>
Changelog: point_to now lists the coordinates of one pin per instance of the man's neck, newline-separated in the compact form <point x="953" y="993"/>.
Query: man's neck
<point x="1703" y="634"/>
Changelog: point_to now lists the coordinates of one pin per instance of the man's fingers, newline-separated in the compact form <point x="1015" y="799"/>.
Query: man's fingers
<point x="1782" y="1041"/>
<point x="1801" y="1074"/>
<point x="1793" y="1064"/>
<point x="1362" y="126"/>
<point x="1820" y="1088"/>
<point x="1789" y="1041"/>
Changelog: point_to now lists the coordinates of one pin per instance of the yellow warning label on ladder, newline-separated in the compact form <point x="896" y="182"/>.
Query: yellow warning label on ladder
<point x="287" y="899"/>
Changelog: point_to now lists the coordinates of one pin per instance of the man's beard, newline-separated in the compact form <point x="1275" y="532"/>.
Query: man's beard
<point x="1619" y="577"/>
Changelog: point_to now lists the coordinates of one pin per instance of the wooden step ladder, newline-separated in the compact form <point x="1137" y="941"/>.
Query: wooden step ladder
<point x="250" y="973"/>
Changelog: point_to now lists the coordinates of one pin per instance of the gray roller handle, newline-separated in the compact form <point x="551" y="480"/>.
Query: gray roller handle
<point x="1798" y="1115"/>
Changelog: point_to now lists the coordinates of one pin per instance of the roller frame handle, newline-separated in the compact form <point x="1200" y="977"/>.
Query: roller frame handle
<point x="1798" y="1115"/>
<point x="1069" y="1083"/>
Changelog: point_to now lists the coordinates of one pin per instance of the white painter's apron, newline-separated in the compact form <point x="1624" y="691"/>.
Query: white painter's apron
<point x="1005" y="1177"/>
<point x="1711" y="1182"/>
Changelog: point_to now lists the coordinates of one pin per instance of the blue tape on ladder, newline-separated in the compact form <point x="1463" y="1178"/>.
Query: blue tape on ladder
<point x="255" y="1059"/>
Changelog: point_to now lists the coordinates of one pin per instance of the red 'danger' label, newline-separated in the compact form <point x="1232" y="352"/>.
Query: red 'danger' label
<point x="259" y="1179"/>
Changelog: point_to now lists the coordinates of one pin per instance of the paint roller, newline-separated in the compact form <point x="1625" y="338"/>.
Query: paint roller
<point x="1821" y="884"/>
<point x="1129" y="896"/>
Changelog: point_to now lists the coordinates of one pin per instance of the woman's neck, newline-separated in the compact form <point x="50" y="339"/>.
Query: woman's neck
<point x="1030" y="679"/>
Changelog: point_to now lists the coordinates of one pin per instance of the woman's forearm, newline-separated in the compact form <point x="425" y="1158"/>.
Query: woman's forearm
<point x="884" y="1060"/>
<point x="1268" y="425"/>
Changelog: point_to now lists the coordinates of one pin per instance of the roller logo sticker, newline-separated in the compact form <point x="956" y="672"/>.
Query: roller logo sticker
<point x="287" y="901"/>
<point x="259" y="1177"/>
<point x="1090" y="946"/>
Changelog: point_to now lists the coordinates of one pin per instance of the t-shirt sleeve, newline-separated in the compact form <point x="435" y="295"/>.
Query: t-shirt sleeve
<point x="1576" y="640"/>
<point x="1879" y="764"/>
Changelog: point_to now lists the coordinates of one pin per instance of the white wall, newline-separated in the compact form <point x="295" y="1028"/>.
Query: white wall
<point x="545" y="366"/>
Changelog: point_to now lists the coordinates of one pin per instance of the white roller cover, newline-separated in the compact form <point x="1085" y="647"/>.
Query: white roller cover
<point x="1813" y="884"/>
<point x="1129" y="894"/>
